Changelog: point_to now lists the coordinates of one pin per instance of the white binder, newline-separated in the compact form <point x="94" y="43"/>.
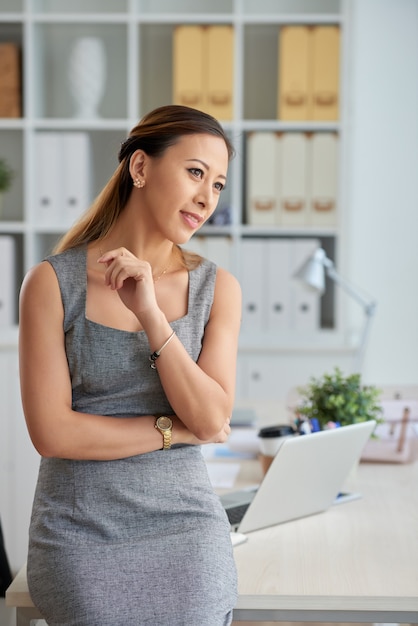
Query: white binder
<point x="263" y="165"/>
<point x="7" y="281"/>
<point x="305" y="304"/>
<point x="323" y="176"/>
<point x="218" y="250"/>
<point x="278" y="277"/>
<point x="77" y="176"/>
<point x="215" y="248"/>
<point x="252" y="279"/>
<point x="293" y="179"/>
<point x="197" y="245"/>
<point x="48" y="199"/>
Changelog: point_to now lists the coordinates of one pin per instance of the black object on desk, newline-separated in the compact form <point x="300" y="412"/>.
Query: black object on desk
<point x="5" y="573"/>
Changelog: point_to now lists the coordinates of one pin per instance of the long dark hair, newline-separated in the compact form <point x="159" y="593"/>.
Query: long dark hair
<point x="157" y="130"/>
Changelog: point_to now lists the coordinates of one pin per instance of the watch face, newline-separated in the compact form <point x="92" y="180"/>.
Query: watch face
<point x="164" y="422"/>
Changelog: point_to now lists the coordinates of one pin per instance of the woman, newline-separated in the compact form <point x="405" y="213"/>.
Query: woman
<point x="118" y="328"/>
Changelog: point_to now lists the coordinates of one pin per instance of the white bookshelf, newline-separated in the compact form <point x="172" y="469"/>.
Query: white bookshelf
<point x="137" y="35"/>
<point x="138" y="40"/>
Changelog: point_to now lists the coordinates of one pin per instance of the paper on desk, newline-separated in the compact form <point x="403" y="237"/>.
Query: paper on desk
<point x="244" y="440"/>
<point x="223" y="475"/>
<point x="243" y="443"/>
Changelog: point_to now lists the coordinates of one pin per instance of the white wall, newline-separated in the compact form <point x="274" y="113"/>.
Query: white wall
<point x="382" y="184"/>
<point x="19" y="462"/>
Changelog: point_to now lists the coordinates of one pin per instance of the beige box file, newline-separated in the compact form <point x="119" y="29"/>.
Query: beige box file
<point x="293" y="179"/>
<point x="203" y="69"/>
<point x="263" y="167"/>
<point x="188" y="63"/>
<point x="322" y="201"/>
<point x="219" y="71"/>
<point x="294" y="75"/>
<point x="325" y="62"/>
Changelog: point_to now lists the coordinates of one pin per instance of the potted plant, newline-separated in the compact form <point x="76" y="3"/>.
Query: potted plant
<point x="335" y="399"/>
<point x="6" y="176"/>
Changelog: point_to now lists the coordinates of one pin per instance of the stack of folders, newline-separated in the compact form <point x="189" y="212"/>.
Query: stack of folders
<point x="273" y="301"/>
<point x="292" y="178"/>
<point x="203" y="68"/>
<point x="7" y="281"/>
<point x="308" y="72"/>
<point x="63" y="178"/>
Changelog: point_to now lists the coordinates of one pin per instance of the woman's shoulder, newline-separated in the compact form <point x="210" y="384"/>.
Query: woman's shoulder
<point x="226" y="278"/>
<point x="210" y="273"/>
<point x="39" y="283"/>
<point x="67" y="258"/>
<point x="227" y="289"/>
<point x="56" y="274"/>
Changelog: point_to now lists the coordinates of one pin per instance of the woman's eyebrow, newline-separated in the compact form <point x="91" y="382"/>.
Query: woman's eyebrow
<point x="206" y="166"/>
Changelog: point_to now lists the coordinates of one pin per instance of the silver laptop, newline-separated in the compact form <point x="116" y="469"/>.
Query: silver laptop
<point x="305" y="477"/>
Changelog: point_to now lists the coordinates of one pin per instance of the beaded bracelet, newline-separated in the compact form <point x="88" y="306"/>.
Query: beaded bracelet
<point x="154" y="356"/>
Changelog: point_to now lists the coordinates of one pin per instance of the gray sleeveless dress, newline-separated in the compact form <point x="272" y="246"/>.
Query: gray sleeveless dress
<point x="142" y="540"/>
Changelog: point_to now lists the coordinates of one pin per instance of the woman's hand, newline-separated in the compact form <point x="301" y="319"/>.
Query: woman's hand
<point x="181" y="434"/>
<point x="131" y="278"/>
<point x="223" y="434"/>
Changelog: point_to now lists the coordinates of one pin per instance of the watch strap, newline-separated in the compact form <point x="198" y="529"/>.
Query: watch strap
<point x="165" y="430"/>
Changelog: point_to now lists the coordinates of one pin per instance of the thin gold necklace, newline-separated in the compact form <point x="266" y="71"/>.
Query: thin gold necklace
<point x="165" y="270"/>
<point x="156" y="278"/>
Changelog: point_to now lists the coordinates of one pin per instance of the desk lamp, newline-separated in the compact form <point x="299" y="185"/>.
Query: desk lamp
<point x="312" y="275"/>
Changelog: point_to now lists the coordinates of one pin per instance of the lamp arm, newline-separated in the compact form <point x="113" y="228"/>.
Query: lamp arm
<point x="369" y="306"/>
<point x="358" y="363"/>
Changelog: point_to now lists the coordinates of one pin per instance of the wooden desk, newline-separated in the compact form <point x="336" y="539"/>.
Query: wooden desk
<point x="357" y="562"/>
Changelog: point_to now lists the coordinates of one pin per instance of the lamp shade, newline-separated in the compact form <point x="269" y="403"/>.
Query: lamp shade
<point x="312" y="272"/>
<point x="312" y="275"/>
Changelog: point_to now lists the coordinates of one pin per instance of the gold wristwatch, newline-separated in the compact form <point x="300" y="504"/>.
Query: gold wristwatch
<point x="165" y="425"/>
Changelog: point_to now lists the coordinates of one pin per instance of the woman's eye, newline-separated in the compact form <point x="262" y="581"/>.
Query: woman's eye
<point x="219" y="186"/>
<point x="196" y="172"/>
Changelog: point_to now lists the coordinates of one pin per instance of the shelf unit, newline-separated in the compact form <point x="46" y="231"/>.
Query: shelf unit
<point x="138" y="40"/>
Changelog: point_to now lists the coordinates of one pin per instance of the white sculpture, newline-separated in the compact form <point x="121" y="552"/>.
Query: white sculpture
<point x="87" y="76"/>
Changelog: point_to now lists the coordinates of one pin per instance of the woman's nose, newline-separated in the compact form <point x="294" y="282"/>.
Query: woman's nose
<point x="204" y="196"/>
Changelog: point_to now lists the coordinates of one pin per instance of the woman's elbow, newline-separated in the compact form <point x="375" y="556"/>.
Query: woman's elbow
<point x="44" y="446"/>
<point x="45" y="441"/>
<point x="207" y="428"/>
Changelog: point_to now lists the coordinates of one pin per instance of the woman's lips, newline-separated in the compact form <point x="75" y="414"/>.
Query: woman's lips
<point x="192" y="219"/>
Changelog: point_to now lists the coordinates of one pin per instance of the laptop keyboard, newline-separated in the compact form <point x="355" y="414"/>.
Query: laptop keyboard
<point x="236" y="513"/>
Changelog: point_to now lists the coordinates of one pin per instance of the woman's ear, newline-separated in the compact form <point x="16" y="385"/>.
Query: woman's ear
<point x="137" y="164"/>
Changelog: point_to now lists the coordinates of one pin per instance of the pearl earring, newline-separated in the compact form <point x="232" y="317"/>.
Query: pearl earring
<point x="138" y="183"/>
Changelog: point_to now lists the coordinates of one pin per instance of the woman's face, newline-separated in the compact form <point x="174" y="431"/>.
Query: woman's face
<point x="182" y="187"/>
